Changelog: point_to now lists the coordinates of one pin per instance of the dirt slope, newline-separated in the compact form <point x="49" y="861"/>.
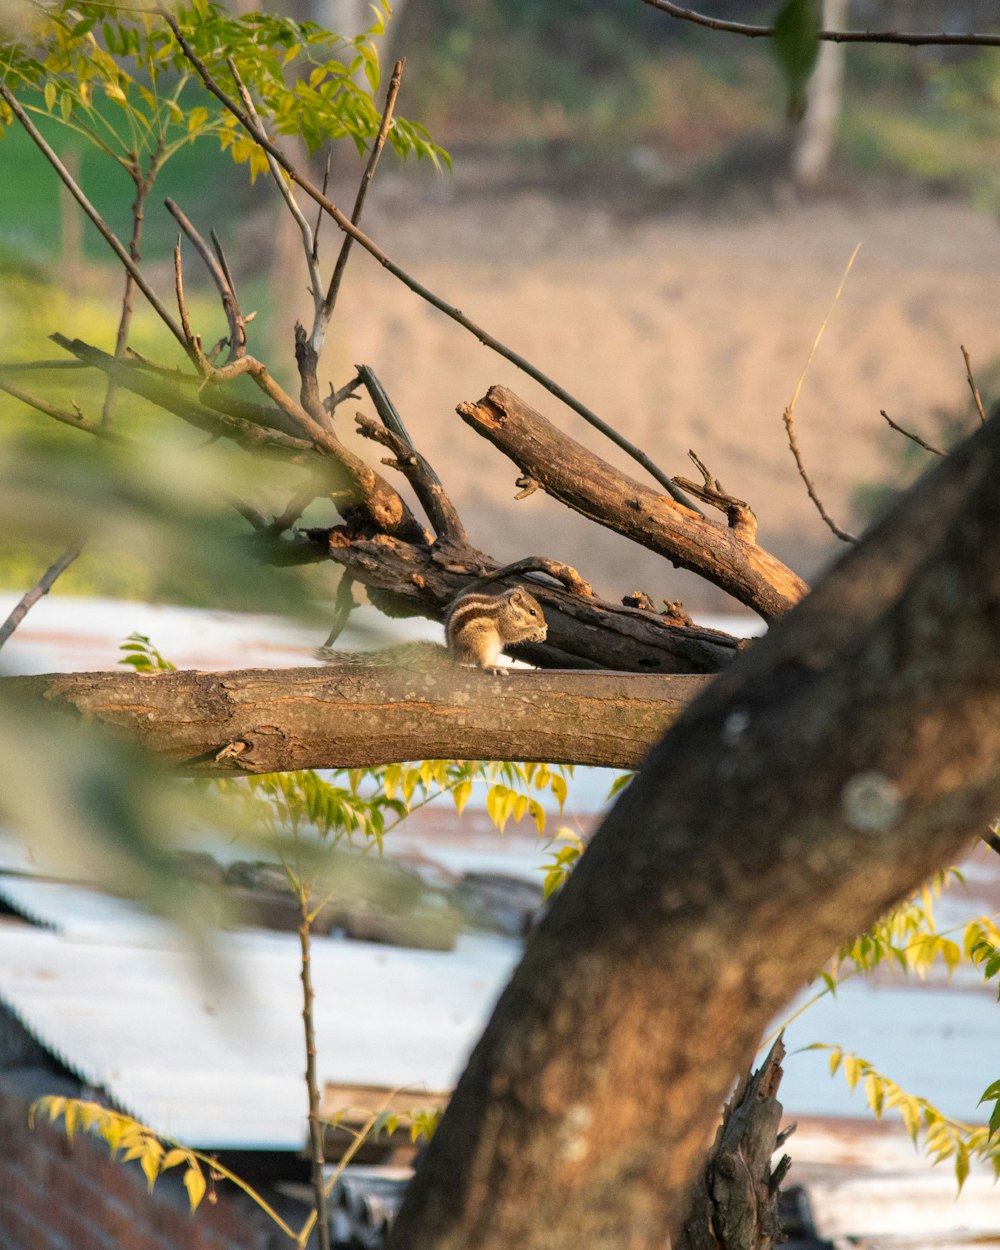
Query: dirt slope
<point x="683" y="332"/>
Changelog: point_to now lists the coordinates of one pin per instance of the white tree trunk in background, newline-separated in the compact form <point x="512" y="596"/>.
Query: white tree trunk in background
<point x="818" y="132"/>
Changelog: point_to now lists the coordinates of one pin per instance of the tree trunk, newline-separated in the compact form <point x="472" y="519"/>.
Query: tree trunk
<point x="817" y="135"/>
<point x="832" y="769"/>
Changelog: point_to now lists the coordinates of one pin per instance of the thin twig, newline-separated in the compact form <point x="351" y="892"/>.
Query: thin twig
<point x="312" y="1081"/>
<point x="298" y="503"/>
<point x="41" y="587"/>
<point x="143" y="186"/>
<point x="308" y="234"/>
<point x="359" y="203"/>
<point x="220" y="276"/>
<point x="42" y="366"/>
<point x="972" y="386"/>
<point x="104" y="229"/>
<point x="936" y="451"/>
<point x="487" y="339"/>
<point x="319" y="211"/>
<point x="913" y="38"/>
<point x="790" y="410"/>
<point x="191" y="339"/>
<point x="60" y="414"/>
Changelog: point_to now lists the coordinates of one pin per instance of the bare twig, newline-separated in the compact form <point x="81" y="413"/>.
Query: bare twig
<point x="427" y="486"/>
<point x="913" y="38"/>
<point x="219" y="424"/>
<point x="842" y="534"/>
<point x="359" y="203"/>
<point x="143" y="186"/>
<point x="104" y="229"/>
<point x="455" y="314"/>
<point x="337" y="397"/>
<point x="219" y="270"/>
<point x="40" y="588"/>
<point x="295" y="507"/>
<point x="936" y="451"/>
<point x="312" y="1081"/>
<point x="60" y="414"/>
<point x="42" y="366"/>
<point x="309" y="235"/>
<point x="191" y="339"/>
<point x="977" y="398"/>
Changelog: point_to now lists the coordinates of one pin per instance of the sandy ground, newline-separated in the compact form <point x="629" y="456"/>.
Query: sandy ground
<point x="684" y="332"/>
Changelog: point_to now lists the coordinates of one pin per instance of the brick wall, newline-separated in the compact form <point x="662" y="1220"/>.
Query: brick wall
<point x="60" y="1196"/>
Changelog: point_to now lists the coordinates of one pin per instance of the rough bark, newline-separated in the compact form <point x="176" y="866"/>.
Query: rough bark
<point x="408" y="579"/>
<point x="354" y="714"/>
<point x="735" y="1202"/>
<point x="569" y="472"/>
<point x="845" y="757"/>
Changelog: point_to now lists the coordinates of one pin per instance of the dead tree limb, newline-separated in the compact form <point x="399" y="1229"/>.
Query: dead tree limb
<point x="410" y="579"/>
<point x="569" y="472"/>
<point x="735" y="1200"/>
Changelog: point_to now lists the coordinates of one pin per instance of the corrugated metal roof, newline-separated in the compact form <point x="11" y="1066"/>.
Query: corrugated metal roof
<point x="219" y="1065"/>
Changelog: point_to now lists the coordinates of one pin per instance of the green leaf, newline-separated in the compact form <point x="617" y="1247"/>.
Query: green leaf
<point x="796" y="49"/>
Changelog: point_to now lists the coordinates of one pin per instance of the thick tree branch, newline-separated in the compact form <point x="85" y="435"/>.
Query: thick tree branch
<point x="356" y="713"/>
<point x="913" y="38"/>
<point x="140" y="381"/>
<point x="583" y="481"/>
<point x="406" y="579"/>
<point x="846" y="756"/>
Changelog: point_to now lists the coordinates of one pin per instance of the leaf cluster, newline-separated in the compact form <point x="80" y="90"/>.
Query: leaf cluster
<point x="140" y="654"/>
<point x="119" y="79"/>
<point x="126" y="1139"/>
<point x="907" y="936"/>
<point x="940" y="1136"/>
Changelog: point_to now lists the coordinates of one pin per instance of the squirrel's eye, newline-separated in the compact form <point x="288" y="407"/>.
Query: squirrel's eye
<point x="532" y="611"/>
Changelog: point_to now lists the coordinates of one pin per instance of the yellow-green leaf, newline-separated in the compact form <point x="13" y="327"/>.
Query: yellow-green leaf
<point x="194" y="1183"/>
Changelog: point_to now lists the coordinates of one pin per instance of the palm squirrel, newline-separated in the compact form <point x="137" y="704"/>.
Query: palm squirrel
<point x="478" y="627"/>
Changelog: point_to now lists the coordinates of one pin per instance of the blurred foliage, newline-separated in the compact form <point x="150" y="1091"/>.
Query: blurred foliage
<point x="940" y="1136"/>
<point x="306" y="81"/>
<point x="620" y="86"/>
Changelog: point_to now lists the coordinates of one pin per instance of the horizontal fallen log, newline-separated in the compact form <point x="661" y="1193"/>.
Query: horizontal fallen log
<point x="356" y="714"/>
